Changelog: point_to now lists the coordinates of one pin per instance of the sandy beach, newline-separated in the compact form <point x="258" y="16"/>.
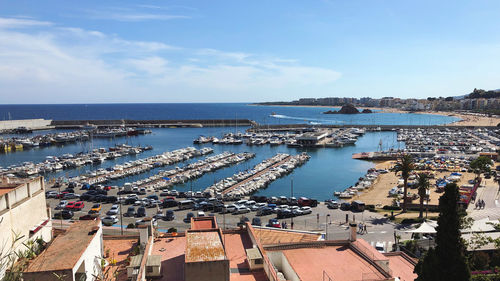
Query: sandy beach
<point x="377" y="194"/>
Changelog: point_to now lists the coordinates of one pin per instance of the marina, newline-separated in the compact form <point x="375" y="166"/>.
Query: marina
<point x="141" y="166"/>
<point x="69" y="161"/>
<point x="195" y="170"/>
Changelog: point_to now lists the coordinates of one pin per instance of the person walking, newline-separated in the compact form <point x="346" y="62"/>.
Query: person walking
<point x="364" y="229"/>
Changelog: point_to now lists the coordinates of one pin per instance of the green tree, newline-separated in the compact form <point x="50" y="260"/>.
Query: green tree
<point x="480" y="165"/>
<point x="405" y="165"/>
<point x="447" y="261"/>
<point x="423" y="186"/>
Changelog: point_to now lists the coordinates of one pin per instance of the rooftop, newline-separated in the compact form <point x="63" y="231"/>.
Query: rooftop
<point x="204" y="246"/>
<point x="203" y="223"/>
<point x="401" y="266"/>
<point x="269" y="236"/>
<point x="339" y="262"/>
<point x="66" y="249"/>
<point x="172" y="252"/>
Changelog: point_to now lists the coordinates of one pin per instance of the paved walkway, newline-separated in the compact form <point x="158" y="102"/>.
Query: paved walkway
<point x="490" y="195"/>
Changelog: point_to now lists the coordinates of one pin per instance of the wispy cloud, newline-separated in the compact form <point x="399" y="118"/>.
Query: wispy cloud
<point x="131" y="15"/>
<point x="68" y="64"/>
<point x="21" y="22"/>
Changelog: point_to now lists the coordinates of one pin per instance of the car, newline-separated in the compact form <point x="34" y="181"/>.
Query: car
<point x="284" y="213"/>
<point x="64" y="214"/>
<point x="345" y="206"/>
<point x="256" y="221"/>
<point x="169" y="215"/>
<point x="96" y="208"/>
<point x="273" y="223"/>
<point x="241" y="210"/>
<point x="229" y="209"/>
<point x="188" y="217"/>
<point x="88" y="217"/>
<point x="306" y="210"/>
<point x="61" y="195"/>
<point x="265" y="211"/>
<point x="141" y="212"/>
<point x="152" y="196"/>
<point x="70" y="205"/>
<point x="379" y="246"/>
<point x="143" y="222"/>
<point x="168" y="203"/>
<point x="61" y="205"/>
<point x="201" y="214"/>
<point x="304" y="201"/>
<point x="51" y="194"/>
<point x="115" y="209"/>
<point x="130" y="212"/>
<point x="332" y="204"/>
<point x="71" y="196"/>
<point x="79" y="206"/>
<point x="109" y="220"/>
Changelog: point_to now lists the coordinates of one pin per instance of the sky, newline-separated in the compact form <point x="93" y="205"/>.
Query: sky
<point x="244" y="51"/>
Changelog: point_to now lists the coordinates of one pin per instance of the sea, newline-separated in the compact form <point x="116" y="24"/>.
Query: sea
<point x="328" y="170"/>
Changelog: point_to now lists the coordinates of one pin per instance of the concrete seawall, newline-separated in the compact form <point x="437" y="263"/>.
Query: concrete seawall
<point x="33" y="124"/>
<point x="153" y="123"/>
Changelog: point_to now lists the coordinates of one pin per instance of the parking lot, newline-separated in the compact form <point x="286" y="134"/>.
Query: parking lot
<point x="315" y="221"/>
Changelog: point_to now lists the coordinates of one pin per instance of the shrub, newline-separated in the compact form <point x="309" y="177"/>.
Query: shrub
<point x="172" y="229"/>
<point x="412" y="221"/>
<point x="480" y="260"/>
<point x="391" y="208"/>
<point x="131" y="225"/>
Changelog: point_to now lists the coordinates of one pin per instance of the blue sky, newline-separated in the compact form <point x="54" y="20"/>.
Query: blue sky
<point x="244" y="51"/>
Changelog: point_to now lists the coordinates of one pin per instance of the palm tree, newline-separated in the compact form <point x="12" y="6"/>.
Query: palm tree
<point x="423" y="186"/>
<point x="405" y="165"/>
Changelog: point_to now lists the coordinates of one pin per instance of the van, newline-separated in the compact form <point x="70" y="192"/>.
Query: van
<point x="186" y="204"/>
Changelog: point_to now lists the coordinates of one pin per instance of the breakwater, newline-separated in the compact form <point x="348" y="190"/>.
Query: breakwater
<point x="75" y="124"/>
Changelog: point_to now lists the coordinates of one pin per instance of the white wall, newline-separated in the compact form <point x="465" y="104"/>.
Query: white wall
<point x="92" y="257"/>
<point x="28" y="123"/>
<point x="20" y="219"/>
<point x="279" y="260"/>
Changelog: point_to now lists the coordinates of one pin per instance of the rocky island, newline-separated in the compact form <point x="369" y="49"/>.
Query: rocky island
<point x="348" y="109"/>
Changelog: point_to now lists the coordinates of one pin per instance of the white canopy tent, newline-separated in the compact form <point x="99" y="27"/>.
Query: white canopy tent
<point x="482" y="225"/>
<point x="425" y="227"/>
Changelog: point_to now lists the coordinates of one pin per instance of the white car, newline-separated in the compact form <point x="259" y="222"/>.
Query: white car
<point x="113" y="211"/>
<point x="109" y="220"/>
<point x="201" y="214"/>
<point x="241" y="210"/>
<point x="379" y="246"/>
<point x="306" y="210"/>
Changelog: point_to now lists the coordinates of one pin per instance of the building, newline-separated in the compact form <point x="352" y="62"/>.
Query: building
<point x="72" y="256"/>
<point x="311" y="139"/>
<point x="23" y="214"/>
<point x="205" y="252"/>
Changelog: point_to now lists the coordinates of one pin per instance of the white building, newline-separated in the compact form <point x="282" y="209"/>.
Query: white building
<point x="23" y="215"/>
<point x="72" y="256"/>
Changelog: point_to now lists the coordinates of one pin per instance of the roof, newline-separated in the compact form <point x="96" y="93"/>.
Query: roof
<point x="8" y="187"/>
<point x="487" y="247"/>
<point x="153" y="260"/>
<point x="135" y="261"/>
<point x="482" y="225"/>
<point x="203" y="223"/>
<point x="401" y="267"/>
<point x="253" y="253"/>
<point x="66" y="249"/>
<point x="204" y="246"/>
<point x="339" y="262"/>
<point x="269" y="236"/>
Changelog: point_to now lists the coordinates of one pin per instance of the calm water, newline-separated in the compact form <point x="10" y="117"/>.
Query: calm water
<point x="260" y="114"/>
<point x="327" y="171"/>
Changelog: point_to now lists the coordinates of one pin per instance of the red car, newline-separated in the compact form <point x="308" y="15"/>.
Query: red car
<point x="61" y="195"/>
<point x="274" y="223"/>
<point x="79" y="205"/>
<point x="107" y="188"/>
<point x="70" y="205"/>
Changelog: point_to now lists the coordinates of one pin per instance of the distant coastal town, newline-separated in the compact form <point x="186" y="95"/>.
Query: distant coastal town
<point x="478" y="101"/>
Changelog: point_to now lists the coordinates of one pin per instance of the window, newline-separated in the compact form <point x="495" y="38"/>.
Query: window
<point x="149" y="269"/>
<point x="258" y="261"/>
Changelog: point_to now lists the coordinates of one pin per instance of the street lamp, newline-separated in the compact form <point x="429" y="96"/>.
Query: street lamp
<point x="326" y="226"/>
